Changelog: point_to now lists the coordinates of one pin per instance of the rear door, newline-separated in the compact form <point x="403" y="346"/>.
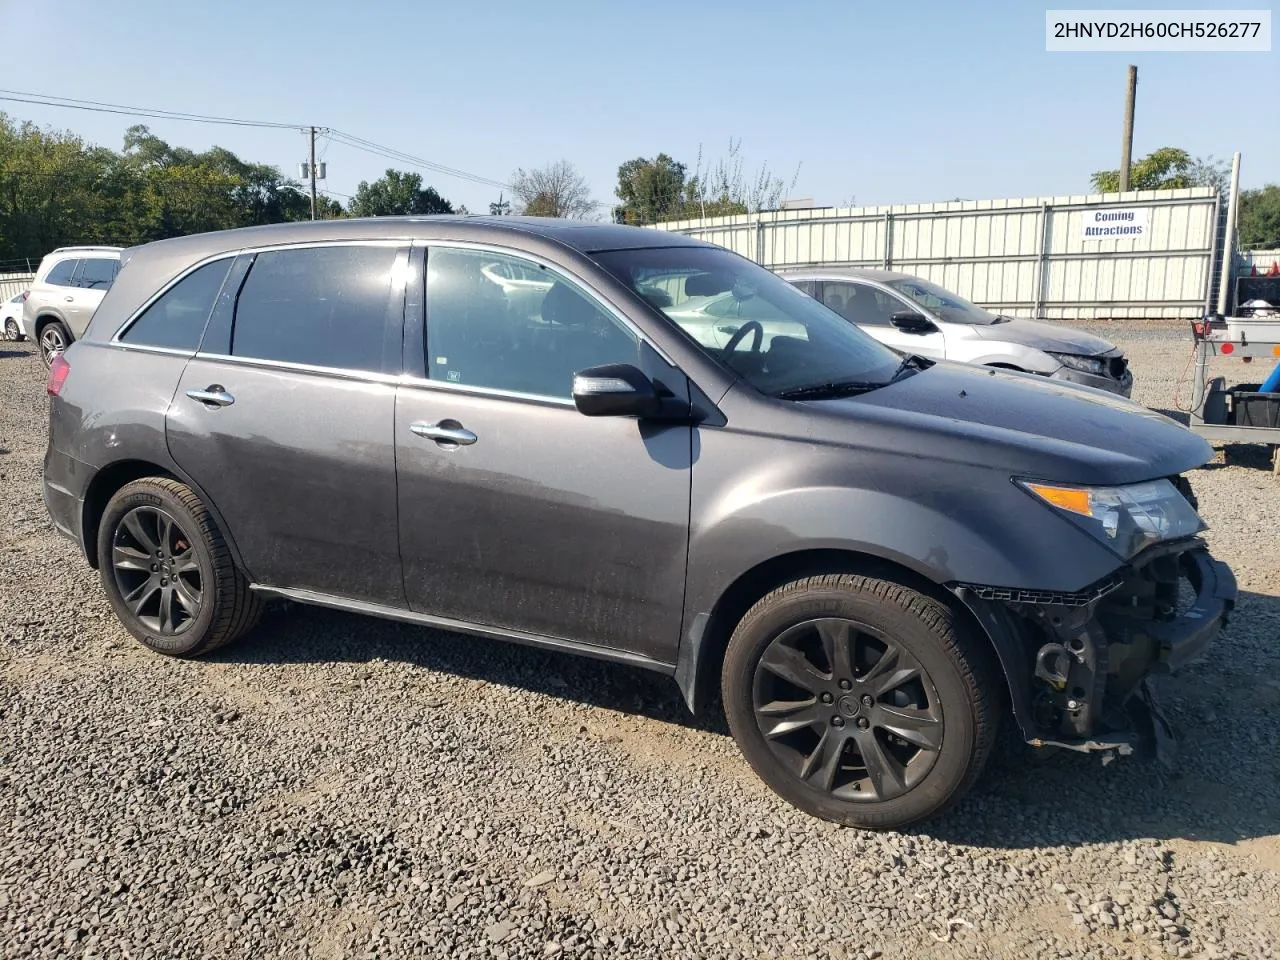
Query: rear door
<point x="92" y="279"/>
<point x="285" y="416"/>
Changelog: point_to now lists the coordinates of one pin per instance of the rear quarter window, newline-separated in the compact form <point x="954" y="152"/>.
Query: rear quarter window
<point x="61" y="272"/>
<point x="176" y="320"/>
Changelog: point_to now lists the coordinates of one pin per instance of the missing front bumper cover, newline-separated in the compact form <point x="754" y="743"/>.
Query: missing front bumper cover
<point x="1079" y="665"/>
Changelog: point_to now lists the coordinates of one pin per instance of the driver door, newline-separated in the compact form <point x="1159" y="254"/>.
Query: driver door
<point x="871" y="309"/>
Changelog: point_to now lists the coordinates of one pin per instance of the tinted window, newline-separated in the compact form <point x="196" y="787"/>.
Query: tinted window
<point x="177" y="319"/>
<point x="325" y="306"/>
<point x="61" y="273"/>
<point x="862" y="304"/>
<point x="530" y="336"/>
<point x="803" y="342"/>
<point x="96" y="273"/>
<point x="807" y="286"/>
<point x="949" y="306"/>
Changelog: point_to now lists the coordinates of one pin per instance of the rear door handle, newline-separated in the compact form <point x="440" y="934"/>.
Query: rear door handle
<point x="213" y="395"/>
<point x="69" y="299"/>
<point x="446" y="431"/>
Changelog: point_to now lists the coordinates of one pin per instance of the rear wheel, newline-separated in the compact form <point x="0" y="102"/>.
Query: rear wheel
<point x="11" y="331"/>
<point x="168" y="572"/>
<point x="54" y="338"/>
<point x="859" y="700"/>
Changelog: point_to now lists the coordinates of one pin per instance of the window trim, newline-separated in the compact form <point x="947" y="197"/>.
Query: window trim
<point x="422" y="320"/>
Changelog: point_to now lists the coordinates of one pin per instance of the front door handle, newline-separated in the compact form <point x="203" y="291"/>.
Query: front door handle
<point x="214" y="395"/>
<point x="446" y="431"/>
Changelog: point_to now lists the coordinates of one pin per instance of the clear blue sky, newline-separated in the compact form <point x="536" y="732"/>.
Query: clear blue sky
<point x="888" y="102"/>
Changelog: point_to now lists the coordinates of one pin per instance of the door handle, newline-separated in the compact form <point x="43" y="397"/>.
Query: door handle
<point x="446" y="431"/>
<point x="69" y="299"/>
<point x="213" y="395"/>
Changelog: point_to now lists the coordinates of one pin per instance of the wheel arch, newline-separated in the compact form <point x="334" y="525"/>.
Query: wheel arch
<point x="702" y="651"/>
<point x="111" y="478"/>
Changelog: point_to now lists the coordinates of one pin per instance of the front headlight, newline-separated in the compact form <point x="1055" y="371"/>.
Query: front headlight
<point x="1127" y="519"/>
<point x="1094" y="365"/>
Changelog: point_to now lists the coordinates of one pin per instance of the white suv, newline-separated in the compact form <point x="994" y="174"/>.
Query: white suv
<point x="67" y="289"/>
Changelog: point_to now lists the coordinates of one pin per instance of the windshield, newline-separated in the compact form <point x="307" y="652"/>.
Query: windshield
<point x="947" y="306"/>
<point x="774" y="336"/>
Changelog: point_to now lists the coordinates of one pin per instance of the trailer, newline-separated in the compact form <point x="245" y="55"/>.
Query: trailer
<point x="1237" y="413"/>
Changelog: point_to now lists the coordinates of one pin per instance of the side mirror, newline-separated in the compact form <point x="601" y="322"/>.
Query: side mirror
<point x="615" y="390"/>
<point x="908" y="321"/>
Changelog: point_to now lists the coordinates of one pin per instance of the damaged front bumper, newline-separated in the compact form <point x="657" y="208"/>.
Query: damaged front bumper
<point x="1079" y="665"/>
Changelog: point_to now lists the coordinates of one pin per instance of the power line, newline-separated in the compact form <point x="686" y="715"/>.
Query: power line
<point x="98" y="106"/>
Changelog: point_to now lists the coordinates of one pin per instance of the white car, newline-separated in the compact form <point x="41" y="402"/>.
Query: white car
<point x="913" y="315"/>
<point x="11" y="326"/>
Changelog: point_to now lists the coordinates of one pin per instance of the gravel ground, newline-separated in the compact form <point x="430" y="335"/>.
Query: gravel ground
<point x="339" y="787"/>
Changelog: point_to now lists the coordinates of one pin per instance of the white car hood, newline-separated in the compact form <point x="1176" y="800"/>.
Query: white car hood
<point x="1045" y="336"/>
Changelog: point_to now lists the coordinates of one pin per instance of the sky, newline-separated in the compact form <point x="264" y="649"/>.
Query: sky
<point x="871" y="101"/>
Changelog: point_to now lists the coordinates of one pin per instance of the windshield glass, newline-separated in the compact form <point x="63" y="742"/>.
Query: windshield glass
<point x="944" y="304"/>
<point x="774" y="336"/>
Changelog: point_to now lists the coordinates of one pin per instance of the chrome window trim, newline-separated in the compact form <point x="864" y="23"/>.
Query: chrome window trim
<point x="144" y="348"/>
<point x="245" y="251"/>
<point x="286" y="366"/>
<point x="490" y="392"/>
<point x="608" y="306"/>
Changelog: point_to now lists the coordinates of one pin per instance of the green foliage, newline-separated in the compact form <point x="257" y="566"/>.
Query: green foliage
<point x="1259" y="218"/>
<point x="1168" y="168"/>
<point x="57" y="190"/>
<point x="652" y="191"/>
<point x="397" y="193"/>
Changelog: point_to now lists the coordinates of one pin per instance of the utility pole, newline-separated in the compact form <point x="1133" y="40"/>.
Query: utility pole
<point x="1228" y="237"/>
<point x="1126" y="148"/>
<point x="314" y="170"/>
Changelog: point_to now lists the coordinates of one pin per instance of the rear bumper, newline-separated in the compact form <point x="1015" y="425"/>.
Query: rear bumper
<point x="1080" y="666"/>
<point x="65" y="480"/>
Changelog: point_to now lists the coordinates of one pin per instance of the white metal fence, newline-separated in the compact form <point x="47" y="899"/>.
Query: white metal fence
<point x="1247" y="260"/>
<point x="12" y="284"/>
<point x="1051" y="257"/>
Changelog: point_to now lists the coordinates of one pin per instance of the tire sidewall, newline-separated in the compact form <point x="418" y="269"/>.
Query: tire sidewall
<point x="141" y="494"/>
<point x="950" y="770"/>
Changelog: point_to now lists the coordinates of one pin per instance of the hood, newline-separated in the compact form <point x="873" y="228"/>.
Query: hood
<point x="1021" y="424"/>
<point x="1049" y="337"/>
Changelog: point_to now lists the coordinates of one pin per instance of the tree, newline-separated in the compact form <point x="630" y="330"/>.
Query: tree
<point x="1259" y="218"/>
<point x="556" y="190"/>
<point x="397" y="193"/>
<point x="1169" y="168"/>
<point x="500" y="209"/>
<point x="652" y="191"/>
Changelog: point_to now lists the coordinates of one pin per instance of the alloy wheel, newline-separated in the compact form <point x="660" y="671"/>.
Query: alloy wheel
<point x="52" y="342"/>
<point x="847" y="710"/>
<point x="156" y="570"/>
<point x="11" y="329"/>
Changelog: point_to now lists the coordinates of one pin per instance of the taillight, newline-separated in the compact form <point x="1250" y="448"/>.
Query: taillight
<point x="25" y="294"/>
<point x="58" y="370"/>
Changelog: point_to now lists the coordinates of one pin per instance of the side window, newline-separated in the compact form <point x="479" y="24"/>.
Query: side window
<point x="529" y="337"/>
<point x="60" y="274"/>
<point x="324" y="306"/>
<point x="177" y="319"/>
<point x="805" y="286"/>
<point x="96" y="273"/>
<point x="860" y="303"/>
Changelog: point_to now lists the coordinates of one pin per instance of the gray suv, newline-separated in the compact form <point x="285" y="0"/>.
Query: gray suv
<point x="69" y="284"/>
<point x="872" y="558"/>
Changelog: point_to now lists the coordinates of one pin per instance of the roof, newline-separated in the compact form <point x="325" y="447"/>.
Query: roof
<point x="839" y="273"/>
<point x="579" y="235"/>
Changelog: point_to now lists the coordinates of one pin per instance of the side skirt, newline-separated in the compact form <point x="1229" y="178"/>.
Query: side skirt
<point x="317" y="599"/>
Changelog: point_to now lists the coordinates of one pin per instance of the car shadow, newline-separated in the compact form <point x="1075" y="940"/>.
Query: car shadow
<point x="1222" y="786"/>
<point x="5" y="354"/>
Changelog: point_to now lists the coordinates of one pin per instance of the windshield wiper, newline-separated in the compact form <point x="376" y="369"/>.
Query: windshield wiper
<point x="820" y="391"/>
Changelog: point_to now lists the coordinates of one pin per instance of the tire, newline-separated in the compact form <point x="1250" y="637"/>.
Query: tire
<point x="193" y="554"/>
<point x="939" y="689"/>
<point x="54" y="338"/>
<point x="11" y="331"/>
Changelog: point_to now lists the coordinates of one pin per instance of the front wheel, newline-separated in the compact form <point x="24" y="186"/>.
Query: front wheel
<point x="168" y="572"/>
<point x="859" y="700"/>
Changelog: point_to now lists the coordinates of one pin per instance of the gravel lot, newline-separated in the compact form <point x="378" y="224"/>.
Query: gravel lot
<point x="339" y="787"/>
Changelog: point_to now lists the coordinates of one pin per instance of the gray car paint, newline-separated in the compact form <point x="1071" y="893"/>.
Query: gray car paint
<point x="558" y="528"/>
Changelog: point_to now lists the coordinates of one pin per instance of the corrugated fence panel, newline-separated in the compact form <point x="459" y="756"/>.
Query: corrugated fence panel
<point x="12" y="284"/>
<point x="1025" y="257"/>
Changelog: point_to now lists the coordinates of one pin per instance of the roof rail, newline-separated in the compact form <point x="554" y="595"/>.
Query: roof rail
<point x="86" y="247"/>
